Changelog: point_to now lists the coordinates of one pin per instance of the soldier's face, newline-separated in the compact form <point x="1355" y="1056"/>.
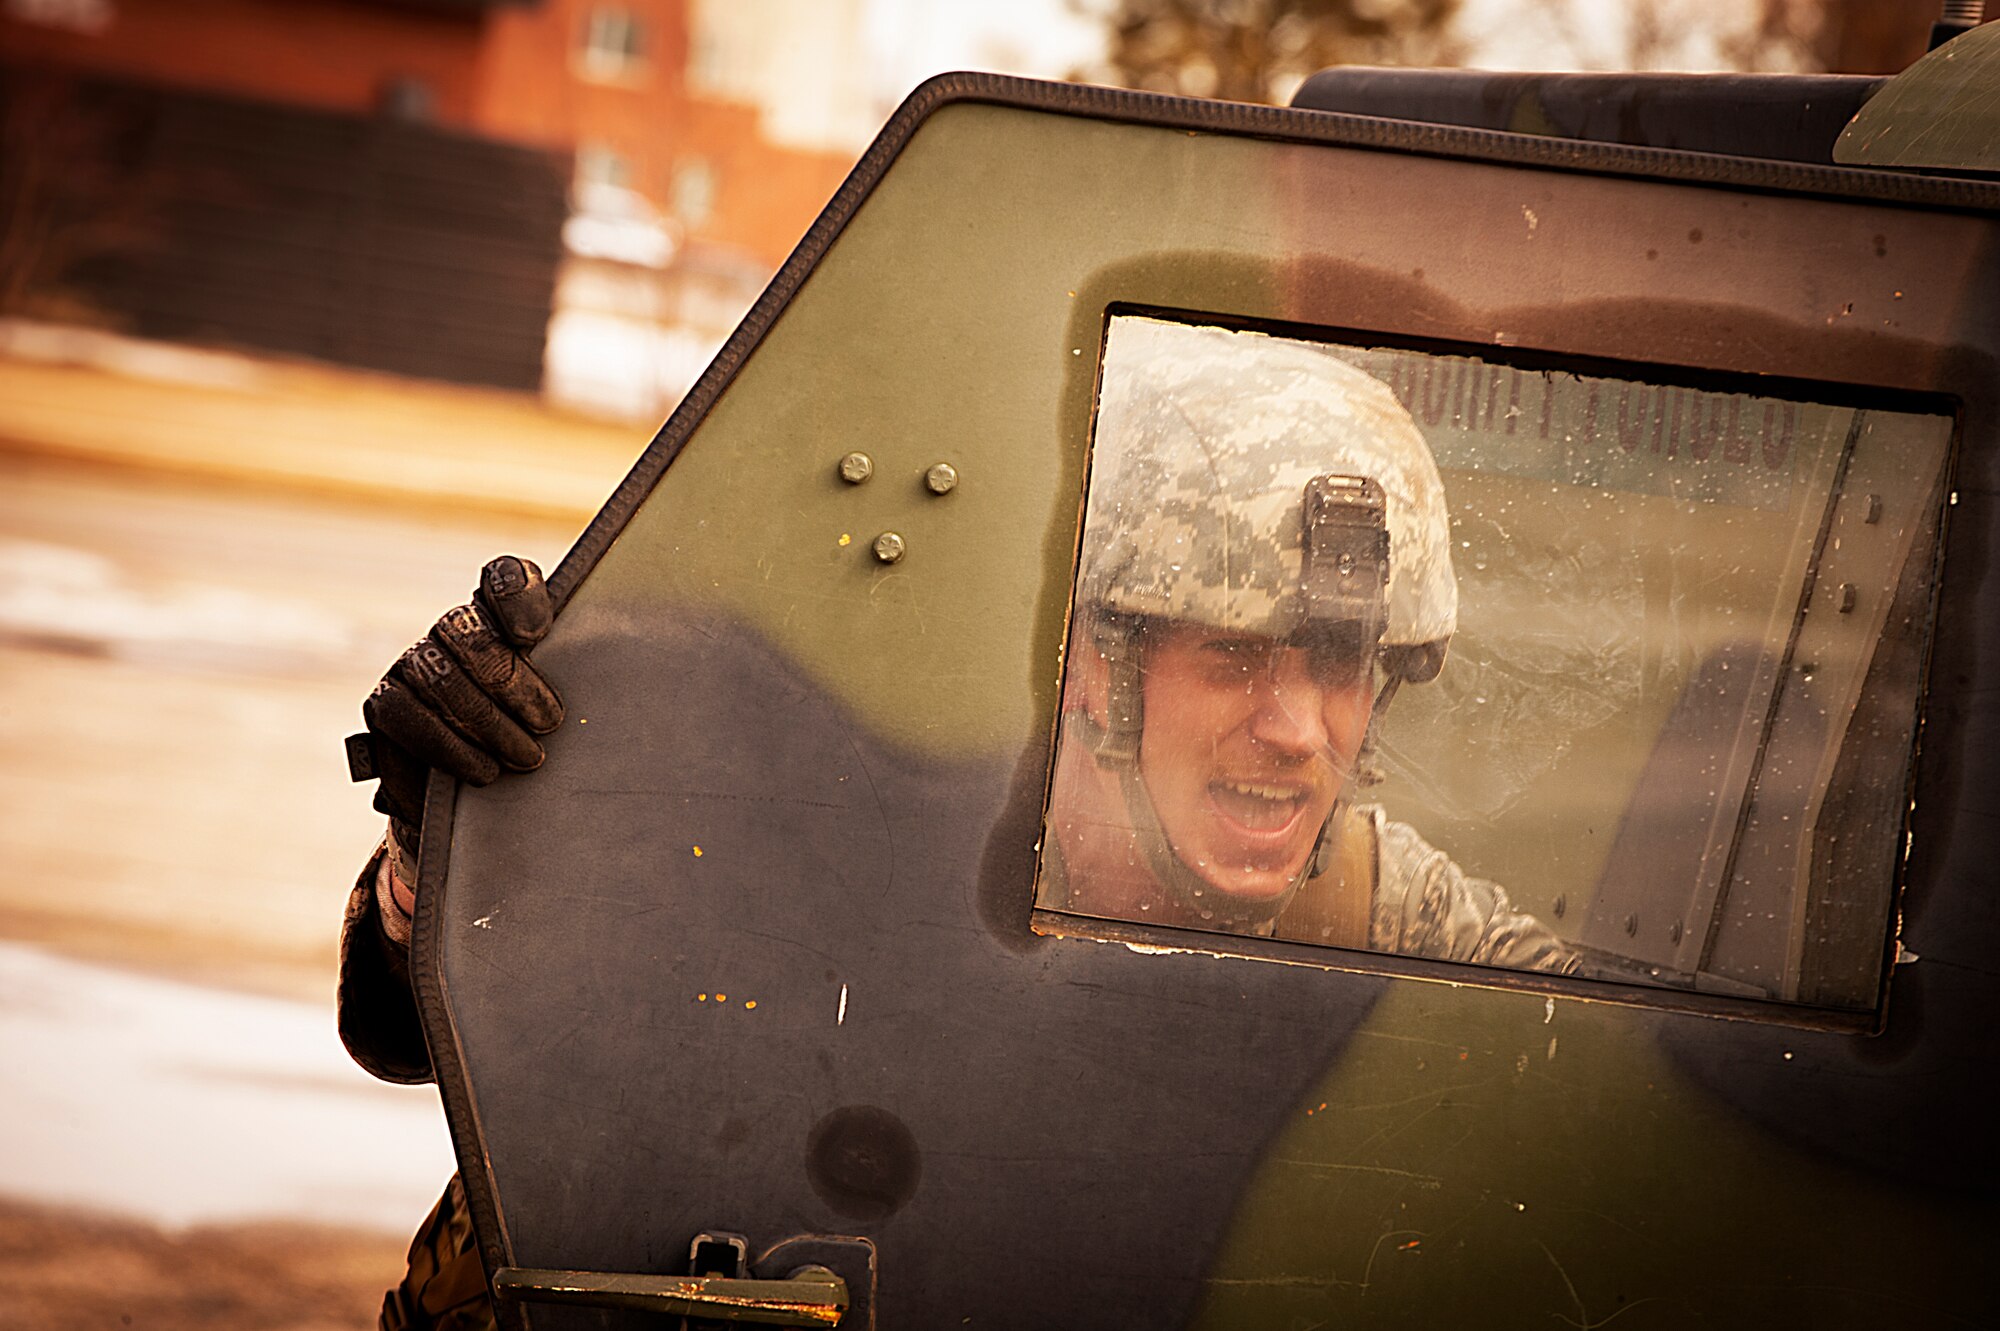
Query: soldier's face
<point x="1247" y="744"/>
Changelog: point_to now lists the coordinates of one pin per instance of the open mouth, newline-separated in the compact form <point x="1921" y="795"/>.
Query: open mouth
<point x="1259" y="806"/>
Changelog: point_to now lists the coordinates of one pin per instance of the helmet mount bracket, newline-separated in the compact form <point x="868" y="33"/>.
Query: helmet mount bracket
<point x="1345" y="568"/>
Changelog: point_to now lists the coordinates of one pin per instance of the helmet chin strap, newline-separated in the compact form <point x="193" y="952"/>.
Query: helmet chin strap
<point x="1366" y="773"/>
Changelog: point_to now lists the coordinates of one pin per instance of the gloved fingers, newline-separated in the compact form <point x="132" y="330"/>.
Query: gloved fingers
<point x="400" y="793"/>
<point x="459" y="700"/>
<point x="512" y="589"/>
<point x="395" y="712"/>
<point x="467" y="632"/>
<point x="436" y="679"/>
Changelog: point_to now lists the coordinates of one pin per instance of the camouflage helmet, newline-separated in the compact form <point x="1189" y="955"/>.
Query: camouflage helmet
<point x="1208" y="442"/>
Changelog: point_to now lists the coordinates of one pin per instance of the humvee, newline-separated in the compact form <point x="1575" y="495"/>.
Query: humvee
<point x="749" y="1007"/>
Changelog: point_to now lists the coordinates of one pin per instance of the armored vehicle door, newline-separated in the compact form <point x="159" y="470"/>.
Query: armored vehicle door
<point x="1234" y="717"/>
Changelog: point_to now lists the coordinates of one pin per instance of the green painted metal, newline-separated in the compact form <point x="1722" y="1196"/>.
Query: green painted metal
<point x="1472" y="1155"/>
<point x="892" y="349"/>
<point x="1943" y="112"/>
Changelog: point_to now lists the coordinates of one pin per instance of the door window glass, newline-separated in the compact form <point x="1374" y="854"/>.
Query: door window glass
<point x="1442" y="657"/>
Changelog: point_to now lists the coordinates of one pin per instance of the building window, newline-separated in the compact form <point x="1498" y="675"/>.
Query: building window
<point x="405" y="97"/>
<point x="597" y="164"/>
<point x="89" y="17"/>
<point x="706" y="66"/>
<point x="614" y="45"/>
<point x="692" y="195"/>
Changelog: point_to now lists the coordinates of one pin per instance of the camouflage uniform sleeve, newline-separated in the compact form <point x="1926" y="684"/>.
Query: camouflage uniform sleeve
<point x="1426" y="906"/>
<point x="378" y="1013"/>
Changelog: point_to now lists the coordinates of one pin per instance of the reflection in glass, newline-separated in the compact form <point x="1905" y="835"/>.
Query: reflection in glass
<point x="1665" y="612"/>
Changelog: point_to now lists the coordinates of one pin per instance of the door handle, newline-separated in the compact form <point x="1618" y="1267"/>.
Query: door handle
<point x="810" y="1296"/>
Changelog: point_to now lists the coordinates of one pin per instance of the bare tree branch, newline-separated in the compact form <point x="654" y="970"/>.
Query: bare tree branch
<point x="1261" y="50"/>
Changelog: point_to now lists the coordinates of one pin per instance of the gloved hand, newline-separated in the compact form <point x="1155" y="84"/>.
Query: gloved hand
<point x="463" y="699"/>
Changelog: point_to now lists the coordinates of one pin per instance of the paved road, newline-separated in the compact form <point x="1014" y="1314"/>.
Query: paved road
<point x="178" y="663"/>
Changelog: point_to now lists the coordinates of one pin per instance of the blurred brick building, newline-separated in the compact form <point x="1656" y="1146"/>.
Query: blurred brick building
<point x="577" y="195"/>
<point x="422" y="186"/>
<point x="690" y="184"/>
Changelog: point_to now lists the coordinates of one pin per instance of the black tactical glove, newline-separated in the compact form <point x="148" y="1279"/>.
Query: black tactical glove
<point x="463" y="699"/>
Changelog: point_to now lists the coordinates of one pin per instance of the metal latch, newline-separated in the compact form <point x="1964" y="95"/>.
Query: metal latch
<point x="810" y="1296"/>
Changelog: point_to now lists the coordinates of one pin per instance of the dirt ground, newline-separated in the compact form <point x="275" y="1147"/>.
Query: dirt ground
<point x="65" y="1271"/>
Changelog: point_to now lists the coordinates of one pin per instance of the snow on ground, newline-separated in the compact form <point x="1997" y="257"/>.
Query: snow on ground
<point x="183" y="1105"/>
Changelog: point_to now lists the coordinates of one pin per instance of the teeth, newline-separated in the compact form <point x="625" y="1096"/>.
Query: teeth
<point x="1263" y="792"/>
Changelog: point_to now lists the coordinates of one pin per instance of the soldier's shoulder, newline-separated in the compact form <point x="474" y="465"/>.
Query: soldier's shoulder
<point x="1400" y="850"/>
